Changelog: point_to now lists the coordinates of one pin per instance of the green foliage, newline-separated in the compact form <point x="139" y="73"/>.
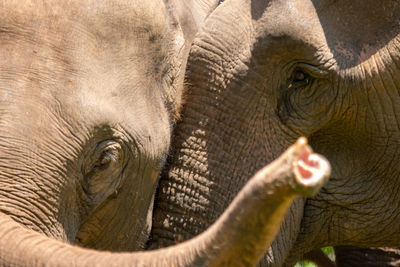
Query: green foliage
<point x="305" y="264"/>
<point x="327" y="250"/>
<point x="330" y="252"/>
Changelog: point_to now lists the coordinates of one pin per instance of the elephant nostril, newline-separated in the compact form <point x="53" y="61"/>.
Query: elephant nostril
<point x="309" y="158"/>
<point x="307" y="163"/>
<point x="303" y="170"/>
<point x="311" y="171"/>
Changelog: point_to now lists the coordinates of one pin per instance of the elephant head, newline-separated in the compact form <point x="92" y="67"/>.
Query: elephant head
<point x="262" y="73"/>
<point x="87" y="100"/>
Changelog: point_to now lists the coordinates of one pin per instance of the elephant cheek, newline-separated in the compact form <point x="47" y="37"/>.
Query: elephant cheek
<point x="122" y="222"/>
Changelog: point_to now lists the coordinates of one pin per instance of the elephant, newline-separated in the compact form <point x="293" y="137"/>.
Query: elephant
<point x="89" y="94"/>
<point x="259" y="75"/>
<point x="80" y="116"/>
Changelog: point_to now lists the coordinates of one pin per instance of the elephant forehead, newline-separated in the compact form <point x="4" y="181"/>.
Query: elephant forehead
<point x="127" y="13"/>
<point x="92" y="33"/>
<point x="349" y="33"/>
<point x="296" y="20"/>
<point x="92" y="87"/>
<point x="91" y="63"/>
<point x="35" y="103"/>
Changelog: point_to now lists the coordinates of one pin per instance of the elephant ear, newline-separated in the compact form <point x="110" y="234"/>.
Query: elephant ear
<point x="186" y="18"/>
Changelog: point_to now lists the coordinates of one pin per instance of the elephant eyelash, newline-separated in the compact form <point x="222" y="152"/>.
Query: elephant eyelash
<point x="103" y="171"/>
<point x="105" y="159"/>
<point x="106" y="153"/>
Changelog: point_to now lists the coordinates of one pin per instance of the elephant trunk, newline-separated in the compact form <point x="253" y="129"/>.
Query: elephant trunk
<point x="247" y="228"/>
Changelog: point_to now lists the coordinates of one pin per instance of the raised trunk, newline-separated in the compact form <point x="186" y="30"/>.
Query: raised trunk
<point x="247" y="228"/>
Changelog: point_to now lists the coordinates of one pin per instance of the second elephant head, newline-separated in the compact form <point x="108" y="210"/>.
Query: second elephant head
<point x="262" y="73"/>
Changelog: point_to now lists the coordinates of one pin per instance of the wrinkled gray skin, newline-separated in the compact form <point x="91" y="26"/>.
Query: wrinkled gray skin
<point x="260" y="74"/>
<point x="89" y="91"/>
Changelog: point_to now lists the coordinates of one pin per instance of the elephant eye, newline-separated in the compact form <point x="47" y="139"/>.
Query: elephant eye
<point x="304" y="83"/>
<point x="303" y="75"/>
<point x="299" y="79"/>
<point x="103" y="172"/>
<point x="299" y="76"/>
<point x="108" y="157"/>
